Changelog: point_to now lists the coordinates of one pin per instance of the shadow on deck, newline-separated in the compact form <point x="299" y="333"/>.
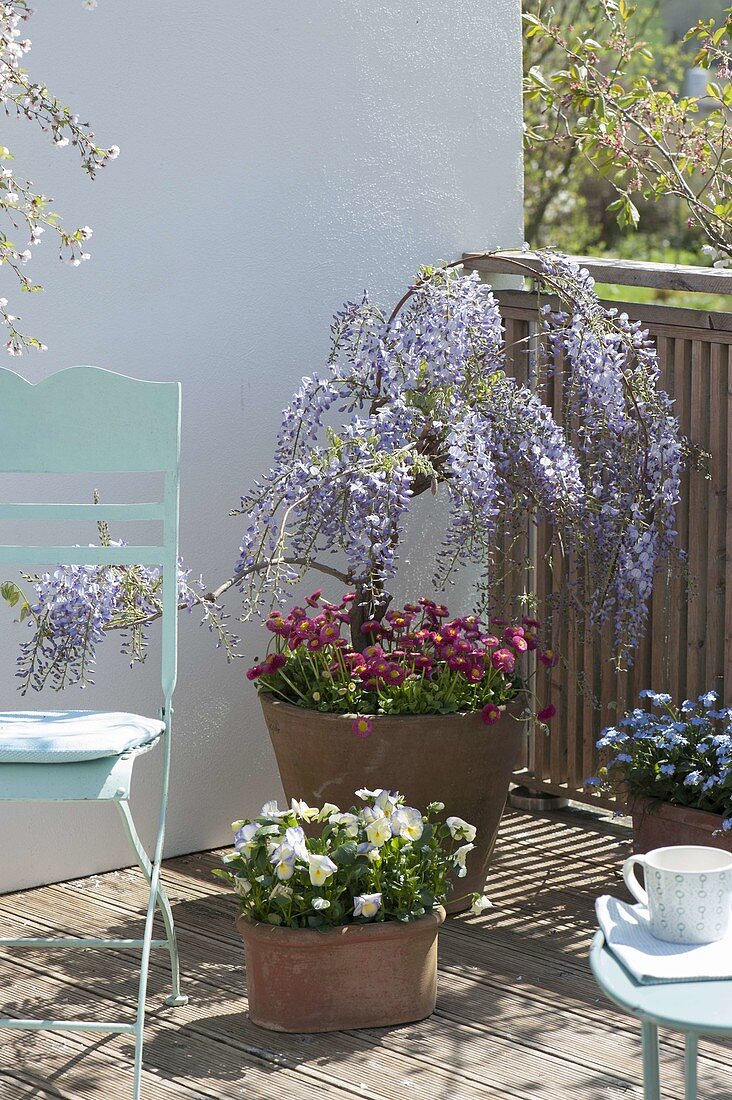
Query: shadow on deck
<point x="518" y="1014"/>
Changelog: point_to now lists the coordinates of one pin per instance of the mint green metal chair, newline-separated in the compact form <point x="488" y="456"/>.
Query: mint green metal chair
<point x="87" y="420"/>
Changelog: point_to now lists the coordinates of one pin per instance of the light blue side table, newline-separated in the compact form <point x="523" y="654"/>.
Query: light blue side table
<point x="694" y="1008"/>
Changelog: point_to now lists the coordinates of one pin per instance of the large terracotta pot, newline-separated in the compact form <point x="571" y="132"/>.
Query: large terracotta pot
<point x="356" y="975"/>
<point x="661" y="825"/>
<point x="456" y="759"/>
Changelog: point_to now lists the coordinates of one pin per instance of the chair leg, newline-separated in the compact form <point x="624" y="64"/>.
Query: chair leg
<point x="176" y="998"/>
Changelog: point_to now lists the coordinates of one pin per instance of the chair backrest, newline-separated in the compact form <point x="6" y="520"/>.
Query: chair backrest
<point x="89" y="420"/>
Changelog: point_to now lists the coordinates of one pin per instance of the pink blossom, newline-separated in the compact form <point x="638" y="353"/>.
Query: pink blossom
<point x="362" y="726"/>
<point x="490" y="713"/>
<point x="504" y="661"/>
<point x="371" y="626"/>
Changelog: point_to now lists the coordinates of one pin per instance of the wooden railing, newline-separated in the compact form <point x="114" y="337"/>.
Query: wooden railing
<point x="687" y="648"/>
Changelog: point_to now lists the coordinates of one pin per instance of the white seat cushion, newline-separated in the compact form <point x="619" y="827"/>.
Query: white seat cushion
<point x="65" y="736"/>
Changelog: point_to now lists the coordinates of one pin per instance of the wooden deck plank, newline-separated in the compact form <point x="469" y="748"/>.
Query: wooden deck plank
<point x="517" y="1005"/>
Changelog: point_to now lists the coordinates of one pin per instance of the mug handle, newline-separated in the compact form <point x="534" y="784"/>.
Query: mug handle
<point x="631" y="880"/>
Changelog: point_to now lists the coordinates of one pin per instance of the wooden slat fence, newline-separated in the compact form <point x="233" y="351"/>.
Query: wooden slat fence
<point x="687" y="648"/>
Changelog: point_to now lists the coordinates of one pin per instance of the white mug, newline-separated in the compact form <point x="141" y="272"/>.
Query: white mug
<point x="688" y="892"/>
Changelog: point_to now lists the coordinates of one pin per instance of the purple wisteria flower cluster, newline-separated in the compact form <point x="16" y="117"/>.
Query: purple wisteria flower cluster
<point x="678" y="754"/>
<point x="420" y="400"/>
<point x="628" y="448"/>
<point x="76" y="606"/>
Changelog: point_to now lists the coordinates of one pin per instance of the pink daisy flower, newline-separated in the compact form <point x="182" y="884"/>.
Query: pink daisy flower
<point x="362" y="726"/>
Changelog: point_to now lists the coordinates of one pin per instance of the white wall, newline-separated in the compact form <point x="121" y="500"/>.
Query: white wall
<point x="277" y="157"/>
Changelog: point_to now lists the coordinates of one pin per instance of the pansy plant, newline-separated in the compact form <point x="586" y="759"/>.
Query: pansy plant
<point x="315" y="867"/>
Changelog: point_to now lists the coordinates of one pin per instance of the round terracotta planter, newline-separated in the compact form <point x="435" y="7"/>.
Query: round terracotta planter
<point x="356" y="975"/>
<point x="662" y="824"/>
<point x="457" y="759"/>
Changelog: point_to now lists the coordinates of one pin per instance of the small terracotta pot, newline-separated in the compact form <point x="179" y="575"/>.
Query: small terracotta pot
<point x="454" y="758"/>
<point x="662" y="825"/>
<point x="355" y="975"/>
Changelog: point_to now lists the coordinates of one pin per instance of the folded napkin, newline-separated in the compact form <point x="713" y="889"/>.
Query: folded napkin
<point x="627" y="933"/>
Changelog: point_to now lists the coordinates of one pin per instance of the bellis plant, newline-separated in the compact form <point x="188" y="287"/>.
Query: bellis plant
<point x="418" y="660"/>
<point x="383" y="861"/>
<point x="678" y="754"/>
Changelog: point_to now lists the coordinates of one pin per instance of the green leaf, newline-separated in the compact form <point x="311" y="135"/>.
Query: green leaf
<point x="345" y="854"/>
<point x="10" y="593"/>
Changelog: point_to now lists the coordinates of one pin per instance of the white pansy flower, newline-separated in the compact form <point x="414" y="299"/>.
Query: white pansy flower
<point x="284" y="870"/>
<point x="365" y="793"/>
<point x="321" y="903"/>
<point x="349" y="822"/>
<point x="242" y="885"/>
<point x="407" y="822"/>
<point x="295" y="837"/>
<point x="301" y="809"/>
<point x="461" y="830"/>
<point x="460" y="856"/>
<point x="327" y="810"/>
<point x="272" y="811"/>
<point x="383" y="799"/>
<point x="279" y="890"/>
<point x="283" y="858"/>
<point x="321" y="868"/>
<point x="244" y="838"/>
<point x="480" y="904"/>
<point x="379" y="831"/>
<point x="366" y="905"/>
<point x="387" y="801"/>
<point x="282" y="851"/>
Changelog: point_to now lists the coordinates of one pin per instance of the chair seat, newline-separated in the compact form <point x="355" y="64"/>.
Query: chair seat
<point x="66" y="736"/>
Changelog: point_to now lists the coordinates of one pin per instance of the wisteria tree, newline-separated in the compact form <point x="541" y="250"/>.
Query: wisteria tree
<point x="419" y="400"/>
<point x="28" y="213"/>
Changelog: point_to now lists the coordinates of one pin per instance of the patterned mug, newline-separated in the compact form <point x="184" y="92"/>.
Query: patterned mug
<point x="688" y="892"/>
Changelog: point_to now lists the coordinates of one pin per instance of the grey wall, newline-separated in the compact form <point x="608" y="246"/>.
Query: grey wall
<point x="276" y="158"/>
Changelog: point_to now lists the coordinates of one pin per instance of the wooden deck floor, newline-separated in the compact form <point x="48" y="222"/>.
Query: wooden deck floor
<point x="518" y="1014"/>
